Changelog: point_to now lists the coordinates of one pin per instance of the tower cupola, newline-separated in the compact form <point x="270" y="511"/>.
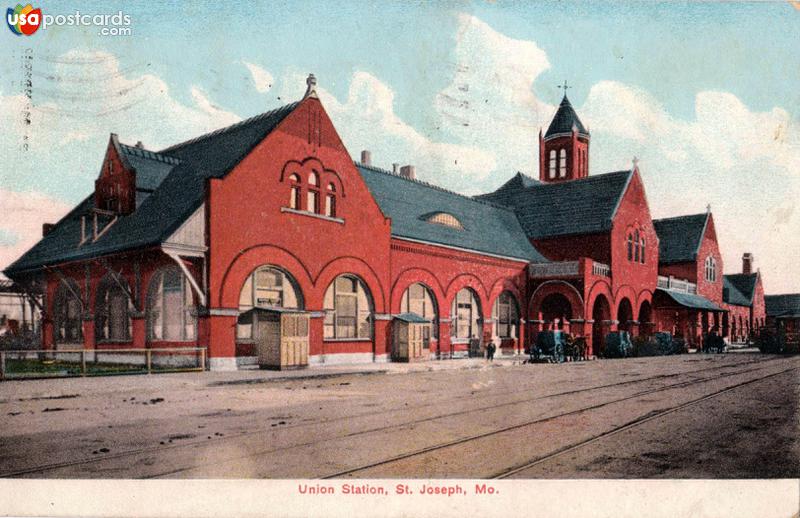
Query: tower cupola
<point x="564" y="148"/>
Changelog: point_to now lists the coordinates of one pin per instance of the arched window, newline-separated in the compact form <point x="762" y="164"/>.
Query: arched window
<point x="505" y="315"/>
<point x="67" y="324"/>
<point x="419" y="299"/>
<point x="330" y="201"/>
<point x="266" y="287"/>
<point x="636" y="245"/>
<point x="711" y="269"/>
<point x="562" y="166"/>
<point x="630" y="247"/>
<point x="641" y="257"/>
<point x="446" y="219"/>
<point x="112" y="322"/>
<point x="171" y="314"/>
<point x="465" y="315"/>
<point x="348" y="307"/>
<point x="312" y="200"/>
<point x="294" y="192"/>
<point x="552" y="170"/>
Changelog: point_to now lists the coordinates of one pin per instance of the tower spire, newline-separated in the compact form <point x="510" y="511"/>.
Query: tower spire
<point x="565" y="86"/>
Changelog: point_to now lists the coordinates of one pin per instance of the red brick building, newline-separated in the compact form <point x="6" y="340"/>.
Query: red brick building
<point x="744" y="299"/>
<point x="175" y="247"/>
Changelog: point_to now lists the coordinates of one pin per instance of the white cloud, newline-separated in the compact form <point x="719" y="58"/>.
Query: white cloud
<point x="24" y="215"/>
<point x="263" y="79"/>
<point x="79" y="99"/>
<point x="746" y="164"/>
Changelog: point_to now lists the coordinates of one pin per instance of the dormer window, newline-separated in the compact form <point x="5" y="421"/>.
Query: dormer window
<point x="445" y="219"/>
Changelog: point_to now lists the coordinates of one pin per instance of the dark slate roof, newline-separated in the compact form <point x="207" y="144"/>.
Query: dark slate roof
<point x="488" y="228"/>
<point x="690" y="300"/>
<point x="583" y="206"/>
<point x="214" y="154"/>
<point x="787" y="305"/>
<point x="151" y="168"/>
<point x="738" y="289"/>
<point x="176" y="197"/>
<point x="564" y="119"/>
<point x="411" y="318"/>
<point x="680" y="237"/>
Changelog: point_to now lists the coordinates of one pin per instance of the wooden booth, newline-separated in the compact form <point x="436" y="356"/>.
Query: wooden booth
<point x="281" y="336"/>
<point x="409" y="337"/>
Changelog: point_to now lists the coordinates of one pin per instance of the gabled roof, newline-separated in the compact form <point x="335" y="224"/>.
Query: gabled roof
<point x="680" y="237"/>
<point x="738" y="289"/>
<point x="783" y="306"/>
<point x="564" y="120"/>
<point x="584" y="206"/>
<point x="178" y="176"/>
<point x="151" y="168"/>
<point x="488" y="228"/>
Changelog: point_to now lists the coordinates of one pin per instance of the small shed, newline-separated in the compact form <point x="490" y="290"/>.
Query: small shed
<point x="408" y="341"/>
<point x="281" y="336"/>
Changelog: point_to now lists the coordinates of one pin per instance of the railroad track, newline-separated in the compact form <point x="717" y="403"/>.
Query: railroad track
<point x="228" y="437"/>
<point x="631" y="424"/>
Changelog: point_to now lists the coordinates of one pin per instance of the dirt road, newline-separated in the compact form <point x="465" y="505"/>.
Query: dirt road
<point x="694" y="416"/>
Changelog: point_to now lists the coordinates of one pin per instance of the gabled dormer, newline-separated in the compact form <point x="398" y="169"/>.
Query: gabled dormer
<point x="115" y="187"/>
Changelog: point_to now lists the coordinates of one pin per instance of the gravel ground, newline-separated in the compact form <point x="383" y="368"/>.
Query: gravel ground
<point x="468" y="419"/>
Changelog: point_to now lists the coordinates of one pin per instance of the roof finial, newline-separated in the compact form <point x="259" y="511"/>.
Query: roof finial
<point x="708" y="209"/>
<point x="565" y="86"/>
<point x="635" y="162"/>
<point x="311" y="91"/>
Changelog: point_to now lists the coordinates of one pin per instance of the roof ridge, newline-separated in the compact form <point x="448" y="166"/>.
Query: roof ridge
<point x="433" y="186"/>
<point x="232" y="127"/>
<point x="682" y="216"/>
<point x="151" y="155"/>
<point x="540" y="185"/>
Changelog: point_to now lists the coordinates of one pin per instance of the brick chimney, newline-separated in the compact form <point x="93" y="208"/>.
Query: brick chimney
<point x="366" y="157"/>
<point x="409" y="171"/>
<point x="747" y="263"/>
<point x="47" y="228"/>
<point x="396" y="168"/>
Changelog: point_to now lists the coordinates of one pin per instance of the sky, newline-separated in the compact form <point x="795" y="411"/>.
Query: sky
<point x="703" y="94"/>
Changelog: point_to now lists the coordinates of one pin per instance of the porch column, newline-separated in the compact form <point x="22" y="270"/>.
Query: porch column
<point x="139" y="336"/>
<point x="222" y="339"/>
<point x="633" y="327"/>
<point x="48" y="331"/>
<point x="521" y="336"/>
<point x="88" y="331"/>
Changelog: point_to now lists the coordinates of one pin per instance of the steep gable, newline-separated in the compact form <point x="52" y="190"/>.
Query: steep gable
<point x="680" y="237"/>
<point x="177" y="176"/>
<point x="739" y="289"/>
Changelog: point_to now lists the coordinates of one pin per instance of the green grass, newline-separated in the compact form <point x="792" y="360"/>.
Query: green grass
<point x="22" y="368"/>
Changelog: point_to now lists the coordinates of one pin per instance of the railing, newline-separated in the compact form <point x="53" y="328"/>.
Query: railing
<point x="671" y="283"/>
<point x="566" y="268"/>
<point x="56" y="363"/>
<point x="601" y="269"/>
